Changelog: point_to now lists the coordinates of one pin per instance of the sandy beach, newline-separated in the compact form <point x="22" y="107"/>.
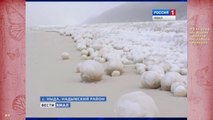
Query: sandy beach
<point x="48" y="75"/>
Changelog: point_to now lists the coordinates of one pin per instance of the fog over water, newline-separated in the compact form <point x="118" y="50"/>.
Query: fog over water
<point x="64" y="13"/>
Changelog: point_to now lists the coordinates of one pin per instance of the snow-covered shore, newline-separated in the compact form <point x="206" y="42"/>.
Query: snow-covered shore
<point x="149" y="43"/>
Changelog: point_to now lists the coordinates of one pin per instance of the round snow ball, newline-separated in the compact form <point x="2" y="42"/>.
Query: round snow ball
<point x="84" y="57"/>
<point x="97" y="59"/>
<point x="175" y="68"/>
<point x="136" y="104"/>
<point x="91" y="71"/>
<point x="141" y="70"/>
<point x="140" y="65"/>
<point x="184" y="80"/>
<point x="126" y="61"/>
<point x="116" y="73"/>
<point x="102" y="60"/>
<point x="138" y="58"/>
<point x="113" y="65"/>
<point x="90" y="51"/>
<point x="151" y="79"/>
<point x="180" y="91"/>
<point x="84" y="52"/>
<point x="97" y="46"/>
<point x="126" y="49"/>
<point x="81" y="47"/>
<point x="166" y="66"/>
<point x="169" y="79"/>
<point x="158" y="69"/>
<point x="176" y="84"/>
<point x="65" y="55"/>
<point x="183" y="71"/>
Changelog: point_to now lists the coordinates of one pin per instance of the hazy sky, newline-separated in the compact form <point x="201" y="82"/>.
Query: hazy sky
<point x="64" y="13"/>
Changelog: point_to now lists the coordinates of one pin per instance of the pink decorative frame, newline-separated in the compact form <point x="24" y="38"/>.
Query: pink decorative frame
<point x="12" y="61"/>
<point x="200" y="62"/>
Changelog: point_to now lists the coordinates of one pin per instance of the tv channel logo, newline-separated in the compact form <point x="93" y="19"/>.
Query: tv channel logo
<point x="163" y="14"/>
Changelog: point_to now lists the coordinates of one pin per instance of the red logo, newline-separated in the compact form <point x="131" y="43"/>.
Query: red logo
<point x="172" y="12"/>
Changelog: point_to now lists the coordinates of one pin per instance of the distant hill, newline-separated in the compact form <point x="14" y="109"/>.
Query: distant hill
<point x="137" y="12"/>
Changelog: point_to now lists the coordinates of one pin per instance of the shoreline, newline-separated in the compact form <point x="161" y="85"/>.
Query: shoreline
<point x="54" y="76"/>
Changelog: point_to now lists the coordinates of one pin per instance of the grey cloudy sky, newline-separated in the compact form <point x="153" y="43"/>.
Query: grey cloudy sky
<point x="64" y="13"/>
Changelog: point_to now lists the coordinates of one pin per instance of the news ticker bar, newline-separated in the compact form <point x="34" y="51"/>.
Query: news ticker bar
<point x="73" y="99"/>
<point x="66" y="101"/>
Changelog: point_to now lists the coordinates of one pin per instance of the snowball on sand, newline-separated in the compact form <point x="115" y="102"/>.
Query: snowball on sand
<point x="91" y="71"/>
<point x="136" y="104"/>
<point x="65" y="55"/>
